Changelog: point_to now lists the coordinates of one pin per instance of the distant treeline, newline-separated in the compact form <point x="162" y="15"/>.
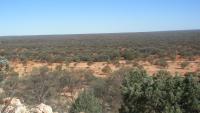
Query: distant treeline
<point x="101" y="47"/>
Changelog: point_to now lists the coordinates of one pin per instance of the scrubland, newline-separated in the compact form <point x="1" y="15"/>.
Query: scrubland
<point x="156" y="72"/>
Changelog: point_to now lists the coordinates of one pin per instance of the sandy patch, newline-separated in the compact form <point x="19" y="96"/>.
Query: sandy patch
<point x="96" y="67"/>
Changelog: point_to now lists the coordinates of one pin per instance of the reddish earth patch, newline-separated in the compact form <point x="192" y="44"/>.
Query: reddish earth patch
<point x="96" y="67"/>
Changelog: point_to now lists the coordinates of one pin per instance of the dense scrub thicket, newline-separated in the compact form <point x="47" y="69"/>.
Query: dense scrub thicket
<point x="161" y="93"/>
<point x="101" y="47"/>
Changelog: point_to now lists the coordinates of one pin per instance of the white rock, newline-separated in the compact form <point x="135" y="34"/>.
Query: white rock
<point x="42" y="108"/>
<point x="15" y="106"/>
<point x="21" y="109"/>
<point x="1" y="91"/>
<point x="13" y="102"/>
<point x="16" y="102"/>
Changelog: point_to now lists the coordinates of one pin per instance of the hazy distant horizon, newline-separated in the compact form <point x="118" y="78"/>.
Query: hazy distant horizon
<point x="101" y="33"/>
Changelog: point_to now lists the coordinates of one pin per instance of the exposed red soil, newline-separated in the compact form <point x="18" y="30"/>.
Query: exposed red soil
<point x="96" y="67"/>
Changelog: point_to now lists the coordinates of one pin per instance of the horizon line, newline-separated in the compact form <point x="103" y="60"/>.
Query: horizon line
<point x="60" y="34"/>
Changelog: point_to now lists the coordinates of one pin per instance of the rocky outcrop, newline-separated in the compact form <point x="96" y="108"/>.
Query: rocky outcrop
<point x="14" y="105"/>
<point x="42" y="108"/>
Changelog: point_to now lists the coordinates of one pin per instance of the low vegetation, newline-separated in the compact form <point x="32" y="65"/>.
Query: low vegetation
<point x="86" y="103"/>
<point x="101" y="47"/>
<point x="107" y="69"/>
<point x="161" y="62"/>
<point x="128" y="90"/>
<point x="184" y="64"/>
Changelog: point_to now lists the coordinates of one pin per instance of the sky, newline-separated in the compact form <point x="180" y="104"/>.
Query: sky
<point x="43" y="17"/>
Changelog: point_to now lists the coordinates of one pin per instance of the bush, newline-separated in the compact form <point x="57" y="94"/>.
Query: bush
<point x="149" y="51"/>
<point x="101" y="58"/>
<point x="39" y="87"/>
<point x="107" y="69"/>
<point x="161" y="62"/>
<point x="184" y="64"/>
<point x="4" y="65"/>
<point x="114" y="55"/>
<point x="58" y="58"/>
<point x="109" y="90"/>
<point x="128" y="55"/>
<point x="87" y="103"/>
<point x="58" y="67"/>
<point x="2" y="76"/>
<point x="85" y="58"/>
<point x="112" y="90"/>
<point x="68" y="80"/>
<point x="161" y="93"/>
<point x="99" y="87"/>
<point x="10" y="85"/>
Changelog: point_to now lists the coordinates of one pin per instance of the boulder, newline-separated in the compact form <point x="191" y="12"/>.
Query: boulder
<point x="12" y="102"/>
<point x="15" y="102"/>
<point x="2" y="91"/>
<point x="42" y="108"/>
<point x="13" y="105"/>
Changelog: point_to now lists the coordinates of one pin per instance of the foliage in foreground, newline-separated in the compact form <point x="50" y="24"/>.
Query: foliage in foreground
<point x="86" y="103"/>
<point x="161" y="93"/>
<point x="141" y="93"/>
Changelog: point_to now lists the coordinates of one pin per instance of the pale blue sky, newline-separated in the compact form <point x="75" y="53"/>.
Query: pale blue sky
<point x="36" y="17"/>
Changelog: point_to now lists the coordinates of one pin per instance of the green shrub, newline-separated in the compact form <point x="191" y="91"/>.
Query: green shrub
<point x="99" y="87"/>
<point x="184" y="64"/>
<point x="128" y="55"/>
<point x="4" y="64"/>
<point x="112" y="90"/>
<point x="161" y="62"/>
<point x="58" y="68"/>
<point x="89" y="63"/>
<point x="106" y="69"/>
<point x="101" y="58"/>
<point x="85" y="58"/>
<point x="10" y="84"/>
<point x="43" y="70"/>
<point x="58" y="58"/>
<point x="114" y="55"/>
<point x="161" y="93"/>
<point x="68" y="80"/>
<point x="87" y="103"/>
<point x="67" y="62"/>
<point x="4" y="67"/>
<point x="2" y="76"/>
